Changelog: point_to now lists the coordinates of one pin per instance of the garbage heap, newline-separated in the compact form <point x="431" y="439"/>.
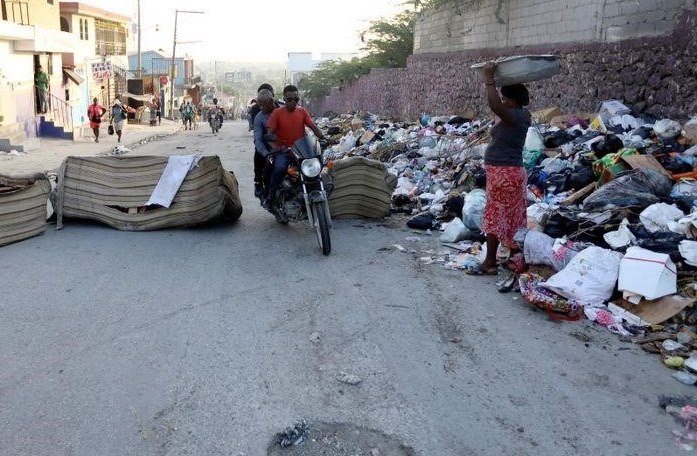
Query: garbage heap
<point x="612" y="220"/>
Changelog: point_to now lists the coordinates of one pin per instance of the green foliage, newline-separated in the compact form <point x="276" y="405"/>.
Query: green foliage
<point x="424" y="5"/>
<point x="386" y="42"/>
<point x="389" y="42"/>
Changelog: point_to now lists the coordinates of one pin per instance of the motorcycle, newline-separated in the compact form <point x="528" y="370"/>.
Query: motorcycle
<point x="216" y="121"/>
<point x="302" y="195"/>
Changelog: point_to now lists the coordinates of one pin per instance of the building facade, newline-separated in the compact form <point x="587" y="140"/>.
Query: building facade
<point x="73" y="43"/>
<point x="30" y="37"/>
<point x="100" y="56"/>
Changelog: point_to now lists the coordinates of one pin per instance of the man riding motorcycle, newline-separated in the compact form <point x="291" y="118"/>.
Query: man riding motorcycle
<point x="216" y="112"/>
<point x="287" y="124"/>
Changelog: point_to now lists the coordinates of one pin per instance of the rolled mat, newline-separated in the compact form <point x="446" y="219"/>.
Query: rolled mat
<point x="114" y="190"/>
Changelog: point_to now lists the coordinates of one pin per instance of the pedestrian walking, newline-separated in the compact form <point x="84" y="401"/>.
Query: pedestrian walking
<point x="159" y="112"/>
<point x="95" y="112"/>
<point x="119" y="113"/>
<point x="505" y="210"/>
<point x="41" y="82"/>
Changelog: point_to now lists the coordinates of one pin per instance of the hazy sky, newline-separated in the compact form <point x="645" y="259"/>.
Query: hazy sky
<point x="259" y="31"/>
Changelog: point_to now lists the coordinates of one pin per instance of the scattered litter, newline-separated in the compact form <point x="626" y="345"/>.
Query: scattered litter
<point x="293" y="435"/>
<point x="349" y="379"/>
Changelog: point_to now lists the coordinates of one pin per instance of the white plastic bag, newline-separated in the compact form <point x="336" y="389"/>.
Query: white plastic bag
<point x="657" y="216"/>
<point x="691" y="130"/>
<point x="620" y="238"/>
<point x="537" y="216"/>
<point x="455" y="231"/>
<point x="589" y="278"/>
<point x="688" y="250"/>
<point x="539" y="248"/>
<point x="473" y="209"/>
<point x="347" y="143"/>
<point x="667" y="128"/>
<point x="533" y="140"/>
<point x="692" y="151"/>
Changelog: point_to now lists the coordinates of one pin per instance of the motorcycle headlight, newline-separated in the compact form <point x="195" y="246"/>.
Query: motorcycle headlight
<point x="311" y="167"/>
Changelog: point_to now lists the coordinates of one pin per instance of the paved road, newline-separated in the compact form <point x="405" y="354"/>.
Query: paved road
<point x="203" y="342"/>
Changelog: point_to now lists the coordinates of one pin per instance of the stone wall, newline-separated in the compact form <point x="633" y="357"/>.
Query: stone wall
<point x="486" y="24"/>
<point x="655" y="74"/>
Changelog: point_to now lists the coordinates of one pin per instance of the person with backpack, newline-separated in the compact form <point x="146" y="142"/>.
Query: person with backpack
<point x="188" y="115"/>
<point x="95" y="112"/>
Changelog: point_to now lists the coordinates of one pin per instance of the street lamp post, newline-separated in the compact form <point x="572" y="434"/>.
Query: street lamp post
<point x="174" y="53"/>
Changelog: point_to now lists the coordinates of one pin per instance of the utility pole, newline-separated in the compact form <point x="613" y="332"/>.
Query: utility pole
<point x="140" y="70"/>
<point x="174" y="53"/>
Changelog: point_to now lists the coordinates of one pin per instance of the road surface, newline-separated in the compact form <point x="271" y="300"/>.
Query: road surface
<point x="208" y="341"/>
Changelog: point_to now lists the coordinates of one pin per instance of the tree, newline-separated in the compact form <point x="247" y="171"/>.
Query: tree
<point x="423" y="5"/>
<point x="389" y="42"/>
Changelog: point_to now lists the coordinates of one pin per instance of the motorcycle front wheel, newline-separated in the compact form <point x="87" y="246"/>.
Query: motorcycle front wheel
<point x="322" y="227"/>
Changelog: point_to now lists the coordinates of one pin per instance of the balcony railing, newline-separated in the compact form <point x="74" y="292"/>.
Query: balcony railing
<point x="110" y="48"/>
<point x="16" y="11"/>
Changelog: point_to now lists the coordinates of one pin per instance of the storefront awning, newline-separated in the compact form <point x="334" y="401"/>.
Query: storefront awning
<point x="73" y="76"/>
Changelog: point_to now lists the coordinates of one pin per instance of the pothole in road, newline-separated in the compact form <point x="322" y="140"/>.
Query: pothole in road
<point x="341" y="439"/>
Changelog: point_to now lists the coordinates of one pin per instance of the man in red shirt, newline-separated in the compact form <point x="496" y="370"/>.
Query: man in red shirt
<point x="288" y="124"/>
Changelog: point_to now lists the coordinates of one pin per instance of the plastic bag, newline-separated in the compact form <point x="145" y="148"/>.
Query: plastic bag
<point x="537" y="216"/>
<point x="620" y="238"/>
<point x="347" y="143"/>
<point x="533" y="140"/>
<point x="667" y="128"/>
<point x="589" y="278"/>
<point x="637" y="188"/>
<point x="684" y="193"/>
<point x="455" y="231"/>
<point x="473" y="209"/>
<point x="691" y="130"/>
<point x="539" y="248"/>
<point x="688" y="250"/>
<point x="554" y="165"/>
<point x="657" y="216"/>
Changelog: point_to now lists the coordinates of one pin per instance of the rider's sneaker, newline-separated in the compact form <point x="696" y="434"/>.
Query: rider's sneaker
<point x="258" y="191"/>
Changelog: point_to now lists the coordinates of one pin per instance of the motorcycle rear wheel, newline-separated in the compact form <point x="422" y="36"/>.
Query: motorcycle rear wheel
<point x="322" y="227"/>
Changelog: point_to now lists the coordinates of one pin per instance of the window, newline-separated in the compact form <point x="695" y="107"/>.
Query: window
<point x="50" y="2"/>
<point x="65" y="25"/>
<point x="82" y="32"/>
<point x="87" y="30"/>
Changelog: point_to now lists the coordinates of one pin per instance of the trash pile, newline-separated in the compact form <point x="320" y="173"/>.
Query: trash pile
<point x="611" y="221"/>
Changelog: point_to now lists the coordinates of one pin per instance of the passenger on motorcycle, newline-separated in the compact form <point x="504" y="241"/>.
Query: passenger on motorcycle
<point x="288" y="124"/>
<point x="262" y="149"/>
